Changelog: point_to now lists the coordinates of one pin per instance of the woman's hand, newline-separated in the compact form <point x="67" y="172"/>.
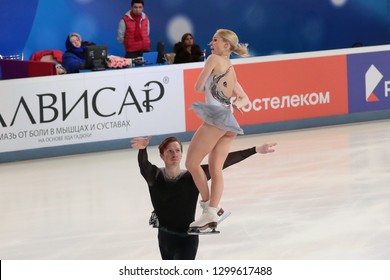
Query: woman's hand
<point x="239" y="102"/>
<point x="237" y="108"/>
<point x="240" y="99"/>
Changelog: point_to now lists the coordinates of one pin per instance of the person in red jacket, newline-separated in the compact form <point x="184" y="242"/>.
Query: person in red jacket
<point x="134" y="29"/>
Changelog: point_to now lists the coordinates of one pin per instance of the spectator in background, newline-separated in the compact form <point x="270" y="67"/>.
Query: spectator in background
<point x="74" y="57"/>
<point x="133" y="30"/>
<point x="186" y="50"/>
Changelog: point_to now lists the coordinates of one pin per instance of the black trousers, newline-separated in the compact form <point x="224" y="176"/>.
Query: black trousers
<point x="134" y="54"/>
<point x="177" y="246"/>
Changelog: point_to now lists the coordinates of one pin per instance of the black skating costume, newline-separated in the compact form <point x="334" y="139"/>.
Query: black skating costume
<point x="174" y="202"/>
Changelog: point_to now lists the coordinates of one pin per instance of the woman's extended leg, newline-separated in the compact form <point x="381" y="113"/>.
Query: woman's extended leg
<point x="202" y="143"/>
<point x="217" y="158"/>
<point x="215" y="142"/>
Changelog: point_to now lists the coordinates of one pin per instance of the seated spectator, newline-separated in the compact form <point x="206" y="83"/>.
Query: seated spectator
<point x="186" y="51"/>
<point x="74" y="57"/>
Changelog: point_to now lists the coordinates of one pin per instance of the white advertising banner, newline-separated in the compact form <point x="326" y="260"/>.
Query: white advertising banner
<point x="89" y="107"/>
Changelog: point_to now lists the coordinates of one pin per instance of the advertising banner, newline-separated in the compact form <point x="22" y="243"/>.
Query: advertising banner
<point x="89" y="107"/>
<point x="121" y="104"/>
<point x="369" y="81"/>
<point x="284" y="90"/>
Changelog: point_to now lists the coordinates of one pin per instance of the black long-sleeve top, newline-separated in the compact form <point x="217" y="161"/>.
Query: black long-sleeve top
<point x="174" y="200"/>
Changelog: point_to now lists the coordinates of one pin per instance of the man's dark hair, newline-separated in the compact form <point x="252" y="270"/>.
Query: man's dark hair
<point x="163" y="145"/>
<point x="137" y="2"/>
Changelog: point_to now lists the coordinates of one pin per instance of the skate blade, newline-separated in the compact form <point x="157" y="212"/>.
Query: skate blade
<point x="197" y="231"/>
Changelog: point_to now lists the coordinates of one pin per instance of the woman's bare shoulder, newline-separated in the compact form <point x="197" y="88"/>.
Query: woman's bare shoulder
<point x="220" y="64"/>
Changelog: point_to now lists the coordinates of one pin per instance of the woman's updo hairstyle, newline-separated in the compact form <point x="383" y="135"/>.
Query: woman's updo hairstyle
<point x="232" y="38"/>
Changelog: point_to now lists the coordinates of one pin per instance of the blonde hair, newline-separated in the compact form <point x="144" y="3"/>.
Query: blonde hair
<point x="232" y="38"/>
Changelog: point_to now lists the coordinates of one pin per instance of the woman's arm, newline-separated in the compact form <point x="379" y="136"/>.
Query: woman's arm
<point x="206" y="72"/>
<point x="242" y="98"/>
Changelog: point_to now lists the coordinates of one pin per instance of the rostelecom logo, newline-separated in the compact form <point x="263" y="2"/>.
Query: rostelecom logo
<point x="373" y="77"/>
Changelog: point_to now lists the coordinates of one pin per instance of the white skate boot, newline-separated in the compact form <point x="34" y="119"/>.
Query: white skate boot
<point x="207" y="222"/>
<point x="222" y="214"/>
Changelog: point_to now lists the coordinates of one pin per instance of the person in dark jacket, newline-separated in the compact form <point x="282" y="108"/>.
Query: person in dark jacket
<point x="186" y="50"/>
<point x="174" y="194"/>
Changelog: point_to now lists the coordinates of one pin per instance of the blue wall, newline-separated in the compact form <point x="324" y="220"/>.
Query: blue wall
<point x="269" y="26"/>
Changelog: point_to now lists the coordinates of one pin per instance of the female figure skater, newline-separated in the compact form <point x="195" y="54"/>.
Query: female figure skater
<point x="174" y="195"/>
<point x="214" y="137"/>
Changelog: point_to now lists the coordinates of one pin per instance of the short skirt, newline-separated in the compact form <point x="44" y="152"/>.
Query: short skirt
<point x="218" y="116"/>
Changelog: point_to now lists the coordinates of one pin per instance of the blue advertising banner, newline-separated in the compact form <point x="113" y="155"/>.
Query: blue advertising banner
<point x="368" y="81"/>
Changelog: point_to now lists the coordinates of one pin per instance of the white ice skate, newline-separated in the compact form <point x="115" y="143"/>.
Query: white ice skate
<point x="222" y="214"/>
<point x="206" y="224"/>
